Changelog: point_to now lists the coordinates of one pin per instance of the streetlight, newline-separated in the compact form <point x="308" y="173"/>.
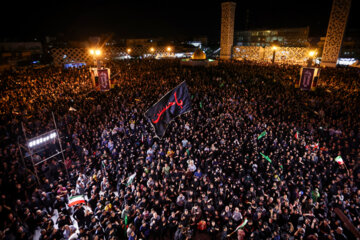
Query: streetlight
<point x="95" y="53"/>
<point x="312" y="54"/>
<point x="152" y="50"/>
<point x="274" y="50"/>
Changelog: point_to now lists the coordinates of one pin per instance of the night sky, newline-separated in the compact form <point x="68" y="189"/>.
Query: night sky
<point x="79" y="19"/>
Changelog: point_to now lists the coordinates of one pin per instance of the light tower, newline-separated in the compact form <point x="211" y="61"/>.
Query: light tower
<point x="335" y="32"/>
<point x="227" y="29"/>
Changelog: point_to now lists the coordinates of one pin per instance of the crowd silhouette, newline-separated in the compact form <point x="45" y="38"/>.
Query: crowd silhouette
<point x="205" y="177"/>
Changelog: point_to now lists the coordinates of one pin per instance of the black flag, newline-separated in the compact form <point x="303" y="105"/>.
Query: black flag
<point x="173" y="104"/>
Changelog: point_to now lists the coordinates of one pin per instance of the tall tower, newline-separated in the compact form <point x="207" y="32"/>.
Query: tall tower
<point x="335" y="32"/>
<point x="227" y="29"/>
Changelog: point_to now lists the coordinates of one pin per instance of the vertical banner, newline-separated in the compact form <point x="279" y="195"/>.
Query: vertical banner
<point x="92" y="75"/>
<point x="112" y="80"/>
<point x="94" y="78"/>
<point x="104" y="81"/>
<point x="306" y="78"/>
<point x="297" y="82"/>
<point x="316" y="79"/>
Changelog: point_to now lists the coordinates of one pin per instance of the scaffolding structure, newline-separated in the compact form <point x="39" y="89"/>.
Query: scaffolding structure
<point x="42" y="139"/>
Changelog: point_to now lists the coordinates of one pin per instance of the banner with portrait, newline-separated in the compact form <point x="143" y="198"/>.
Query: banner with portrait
<point x="308" y="78"/>
<point x="104" y="81"/>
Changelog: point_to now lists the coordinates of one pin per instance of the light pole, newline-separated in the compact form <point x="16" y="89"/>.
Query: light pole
<point x="152" y="50"/>
<point x="95" y="53"/>
<point x="274" y="51"/>
<point x="169" y="50"/>
<point x="311" y="55"/>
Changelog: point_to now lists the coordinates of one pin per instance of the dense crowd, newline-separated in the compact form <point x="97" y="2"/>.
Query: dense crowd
<point x="205" y="177"/>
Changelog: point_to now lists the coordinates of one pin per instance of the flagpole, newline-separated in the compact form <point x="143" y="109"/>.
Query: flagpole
<point x="347" y="170"/>
<point x="229" y="235"/>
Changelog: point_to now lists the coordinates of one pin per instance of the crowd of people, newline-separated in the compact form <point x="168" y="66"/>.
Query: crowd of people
<point x="209" y="174"/>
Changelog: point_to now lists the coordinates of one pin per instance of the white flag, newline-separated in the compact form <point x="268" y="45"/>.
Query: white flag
<point x="131" y="179"/>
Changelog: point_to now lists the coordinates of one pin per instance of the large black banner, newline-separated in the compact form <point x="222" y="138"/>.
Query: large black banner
<point x="173" y="104"/>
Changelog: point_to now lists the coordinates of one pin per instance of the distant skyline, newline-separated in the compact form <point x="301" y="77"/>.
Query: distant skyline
<point x="130" y="19"/>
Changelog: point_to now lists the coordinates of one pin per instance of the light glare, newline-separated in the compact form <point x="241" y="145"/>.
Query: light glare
<point x="312" y="53"/>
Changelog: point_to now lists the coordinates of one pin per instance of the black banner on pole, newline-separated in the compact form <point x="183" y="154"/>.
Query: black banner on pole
<point x="173" y="104"/>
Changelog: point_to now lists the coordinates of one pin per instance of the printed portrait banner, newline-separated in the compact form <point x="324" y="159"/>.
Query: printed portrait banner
<point x="306" y="78"/>
<point x="104" y="79"/>
<point x="173" y="104"/>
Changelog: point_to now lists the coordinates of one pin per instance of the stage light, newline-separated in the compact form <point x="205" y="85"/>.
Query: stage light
<point x="168" y="49"/>
<point x="92" y="51"/>
<point x="129" y="50"/>
<point x="40" y="140"/>
<point x="97" y="52"/>
<point x="152" y="49"/>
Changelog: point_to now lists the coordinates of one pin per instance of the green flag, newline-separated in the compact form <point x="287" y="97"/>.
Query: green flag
<point x="266" y="157"/>
<point x="261" y="135"/>
<point x="222" y="84"/>
<point x="126" y="224"/>
<point x="200" y="104"/>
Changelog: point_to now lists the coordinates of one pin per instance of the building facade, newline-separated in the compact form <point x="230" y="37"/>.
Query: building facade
<point x="15" y="53"/>
<point x="287" y="37"/>
<point x="350" y="47"/>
